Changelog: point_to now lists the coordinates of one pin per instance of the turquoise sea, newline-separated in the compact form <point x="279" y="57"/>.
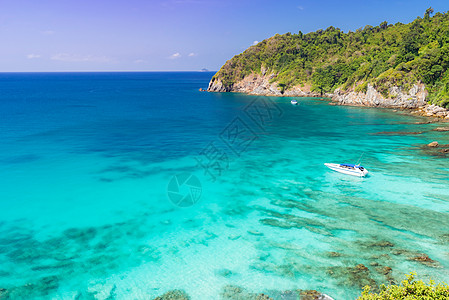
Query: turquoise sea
<point x="93" y="204"/>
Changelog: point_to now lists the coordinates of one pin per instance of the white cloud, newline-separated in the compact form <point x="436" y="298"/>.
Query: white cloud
<point x="255" y="43"/>
<point x="300" y="7"/>
<point x="175" y="56"/>
<point x="31" y="56"/>
<point x="140" y="61"/>
<point x="80" y="58"/>
<point x="192" y="54"/>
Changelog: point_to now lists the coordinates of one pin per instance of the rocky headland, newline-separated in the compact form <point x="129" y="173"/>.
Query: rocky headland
<point x="262" y="85"/>
<point x="400" y="66"/>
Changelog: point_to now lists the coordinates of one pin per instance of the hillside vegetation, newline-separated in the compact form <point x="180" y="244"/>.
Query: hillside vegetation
<point x="385" y="55"/>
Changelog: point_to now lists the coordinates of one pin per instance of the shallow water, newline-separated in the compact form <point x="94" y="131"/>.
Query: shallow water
<point x="87" y="160"/>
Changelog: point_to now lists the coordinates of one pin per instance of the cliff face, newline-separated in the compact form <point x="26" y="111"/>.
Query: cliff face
<point x="414" y="98"/>
<point x="259" y="84"/>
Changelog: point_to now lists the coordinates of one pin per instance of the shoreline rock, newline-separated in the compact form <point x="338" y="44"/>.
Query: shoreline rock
<point x="259" y="85"/>
<point x="413" y="100"/>
<point x="430" y="110"/>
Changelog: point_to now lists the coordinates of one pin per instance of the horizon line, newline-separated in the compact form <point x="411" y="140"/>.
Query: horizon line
<point x="114" y="71"/>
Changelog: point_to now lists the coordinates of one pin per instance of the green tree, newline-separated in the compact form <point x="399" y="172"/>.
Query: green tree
<point x="409" y="289"/>
<point x="323" y="80"/>
<point x="429" y="11"/>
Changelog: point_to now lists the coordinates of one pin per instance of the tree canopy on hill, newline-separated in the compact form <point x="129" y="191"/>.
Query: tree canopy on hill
<point x="385" y="55"/>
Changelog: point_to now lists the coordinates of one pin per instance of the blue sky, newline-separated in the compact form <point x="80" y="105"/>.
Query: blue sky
<point x="169" y="35"/>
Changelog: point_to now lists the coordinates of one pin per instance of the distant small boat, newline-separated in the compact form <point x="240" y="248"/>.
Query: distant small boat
<point x="349" y="169"/>
<point x="294" y="102"/>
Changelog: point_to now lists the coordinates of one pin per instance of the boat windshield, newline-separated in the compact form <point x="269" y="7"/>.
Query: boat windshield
<point x="347" y="165"/>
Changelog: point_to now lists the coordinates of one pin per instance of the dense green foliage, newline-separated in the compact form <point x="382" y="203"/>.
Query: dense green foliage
<point x="408" y="290"/>
<point x="384" y="56"/>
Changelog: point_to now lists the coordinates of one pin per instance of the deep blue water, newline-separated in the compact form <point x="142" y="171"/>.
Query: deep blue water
<point x="87" y="163"/>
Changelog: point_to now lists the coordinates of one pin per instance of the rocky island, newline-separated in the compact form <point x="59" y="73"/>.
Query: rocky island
<point x="396" y="66"/>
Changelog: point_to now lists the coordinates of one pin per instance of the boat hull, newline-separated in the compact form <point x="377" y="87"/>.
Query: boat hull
<point x="348" y="171"/>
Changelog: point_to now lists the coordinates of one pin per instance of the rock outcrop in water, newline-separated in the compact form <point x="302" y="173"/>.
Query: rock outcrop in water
<point x="433" y="111"/>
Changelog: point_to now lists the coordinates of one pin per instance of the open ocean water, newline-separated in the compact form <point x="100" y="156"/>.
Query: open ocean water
<point x="128" y="185"/>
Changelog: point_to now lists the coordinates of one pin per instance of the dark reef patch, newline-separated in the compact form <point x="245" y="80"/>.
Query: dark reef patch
<point x="174" y="295"/>
<point x="94" y="251"/>
<point x="358" y="276"/>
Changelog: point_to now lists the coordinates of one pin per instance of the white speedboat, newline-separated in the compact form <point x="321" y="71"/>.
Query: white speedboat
<point x="294" y="102"/>
<point x="350" y="169"/>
